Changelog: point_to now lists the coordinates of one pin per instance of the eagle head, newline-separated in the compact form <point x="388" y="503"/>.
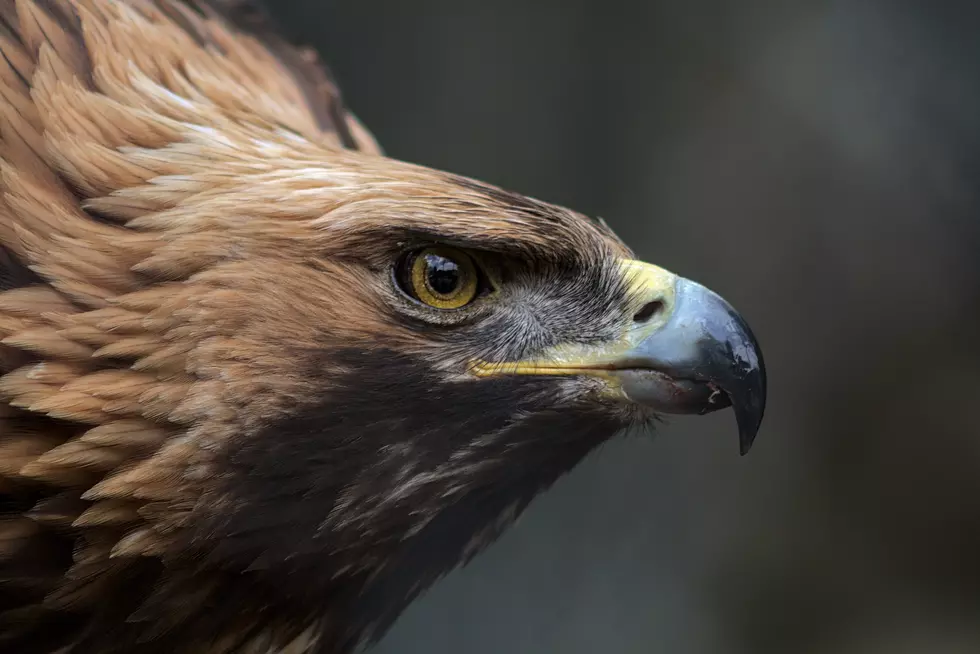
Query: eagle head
<point x="431" y="354"/>
<point x="263" y="385"/>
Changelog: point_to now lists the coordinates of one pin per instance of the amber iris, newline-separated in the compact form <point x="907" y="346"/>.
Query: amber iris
<point x="443" y="278"/>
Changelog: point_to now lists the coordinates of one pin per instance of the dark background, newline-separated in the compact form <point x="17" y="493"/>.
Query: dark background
<point x="817" y="164"/>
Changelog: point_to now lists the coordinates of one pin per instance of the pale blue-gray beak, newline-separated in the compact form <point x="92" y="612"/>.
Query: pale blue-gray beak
<point x="703" y="358"/>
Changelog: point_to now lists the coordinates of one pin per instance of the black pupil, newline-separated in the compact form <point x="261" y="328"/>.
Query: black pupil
<point x="442" y="274"/>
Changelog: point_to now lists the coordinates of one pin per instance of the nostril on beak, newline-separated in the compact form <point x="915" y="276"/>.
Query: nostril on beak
<point x="648" y="311"/>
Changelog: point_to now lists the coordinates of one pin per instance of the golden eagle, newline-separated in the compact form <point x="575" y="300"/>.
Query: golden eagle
<point x="262" y="385"/>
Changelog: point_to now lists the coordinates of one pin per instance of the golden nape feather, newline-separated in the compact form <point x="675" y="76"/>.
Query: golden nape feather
<point x="261" y="385"/>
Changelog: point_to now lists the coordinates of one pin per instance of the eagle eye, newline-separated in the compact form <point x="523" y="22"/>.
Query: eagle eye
<point x="440" y="277"/>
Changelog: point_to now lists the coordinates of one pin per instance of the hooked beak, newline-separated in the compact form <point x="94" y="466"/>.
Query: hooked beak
<point x="686" y="350"/>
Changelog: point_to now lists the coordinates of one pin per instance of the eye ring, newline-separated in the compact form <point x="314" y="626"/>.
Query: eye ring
<point x="441" y="277"/>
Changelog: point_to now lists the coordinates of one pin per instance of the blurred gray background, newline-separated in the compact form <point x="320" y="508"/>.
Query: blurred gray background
<point x="817" y="163"/>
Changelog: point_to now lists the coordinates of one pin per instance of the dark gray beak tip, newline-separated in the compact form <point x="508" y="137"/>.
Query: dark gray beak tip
<point x="749" y="419"/>
<point x="748" y="393"/>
